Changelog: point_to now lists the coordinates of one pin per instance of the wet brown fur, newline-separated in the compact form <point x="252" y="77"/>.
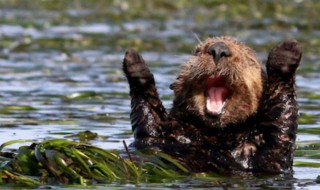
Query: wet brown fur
<point x="256" y="129"/>
<point x="243" y="72"/>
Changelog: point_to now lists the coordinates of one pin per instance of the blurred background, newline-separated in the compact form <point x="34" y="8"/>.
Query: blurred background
<point x="61" y="61"/>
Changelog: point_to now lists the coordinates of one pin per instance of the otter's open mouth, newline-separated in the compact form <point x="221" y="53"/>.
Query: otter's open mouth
<point x="216" y="94"/>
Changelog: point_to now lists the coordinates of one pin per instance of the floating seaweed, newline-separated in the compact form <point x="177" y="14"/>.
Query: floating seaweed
<point x="60" y="161"/>
<point x="72" y="163"/>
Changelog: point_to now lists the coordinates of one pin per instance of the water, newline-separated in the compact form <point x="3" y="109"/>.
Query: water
<point x="60" y="66"/>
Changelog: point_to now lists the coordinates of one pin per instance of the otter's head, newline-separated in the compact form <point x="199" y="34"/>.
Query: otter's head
<point x="221" y="84"/>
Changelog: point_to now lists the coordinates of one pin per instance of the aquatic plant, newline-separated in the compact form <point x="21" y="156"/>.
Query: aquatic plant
<point x="60" y="161"/>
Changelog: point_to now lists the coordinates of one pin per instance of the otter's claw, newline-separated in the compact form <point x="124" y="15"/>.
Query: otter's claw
<point x="136" y="70"/>
<point x="284" y="59"/>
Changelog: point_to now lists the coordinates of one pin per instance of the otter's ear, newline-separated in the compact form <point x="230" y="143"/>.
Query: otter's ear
<point x="196" y="51"/>
<point x="173" y="86"/>
<point x="176" y="84"/>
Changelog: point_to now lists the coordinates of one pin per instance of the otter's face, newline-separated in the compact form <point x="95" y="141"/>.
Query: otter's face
<point x="221" y="84"/>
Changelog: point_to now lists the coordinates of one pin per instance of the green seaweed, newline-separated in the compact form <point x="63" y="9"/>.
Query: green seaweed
<point x="314" y="96"/>
<point x="306" y="153"/>
<point x="14" y="108"/>
<point x="310" y="130"/>
<point x="307" y="119"/>
<point x="84" y="136"/>
<point x="306" y="164"/>
<point x="80" y="96"/>
<point x="68" y="162"/>
<point x="12" y="142"/>
<point x="308" y="145"/>
<point x="18" y="179"/>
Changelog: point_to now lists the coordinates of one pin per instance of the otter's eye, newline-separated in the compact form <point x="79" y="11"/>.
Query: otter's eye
<point x="196" y="51"/>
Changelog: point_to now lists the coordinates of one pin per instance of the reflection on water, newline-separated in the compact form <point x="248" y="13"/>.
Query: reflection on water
<point x="60" y="71"/>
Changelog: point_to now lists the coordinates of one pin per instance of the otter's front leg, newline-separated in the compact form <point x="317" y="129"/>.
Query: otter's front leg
<point x="147" y="111"/>
<point x="280" y="110"/>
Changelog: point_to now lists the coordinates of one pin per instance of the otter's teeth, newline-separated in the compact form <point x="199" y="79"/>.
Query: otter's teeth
<point x="216" y="97"/>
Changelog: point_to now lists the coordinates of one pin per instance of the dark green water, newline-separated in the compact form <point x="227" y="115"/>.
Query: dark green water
<point x="60" y="67"/>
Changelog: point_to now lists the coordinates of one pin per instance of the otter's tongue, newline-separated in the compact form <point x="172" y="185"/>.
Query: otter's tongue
<point x="216" y="95"/>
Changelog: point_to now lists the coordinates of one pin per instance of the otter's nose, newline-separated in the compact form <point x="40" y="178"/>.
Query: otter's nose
<point x="219" y="50"/>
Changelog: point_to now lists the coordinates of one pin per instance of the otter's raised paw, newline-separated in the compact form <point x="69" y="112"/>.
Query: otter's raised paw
<point x="284" y="59"/>
<point x="136" y="70"/>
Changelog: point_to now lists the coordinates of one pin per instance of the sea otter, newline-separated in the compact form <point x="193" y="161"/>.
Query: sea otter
<point x="229" y="114"/>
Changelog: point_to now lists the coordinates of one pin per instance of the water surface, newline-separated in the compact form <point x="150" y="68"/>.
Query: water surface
<point x="60" y="66"/>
